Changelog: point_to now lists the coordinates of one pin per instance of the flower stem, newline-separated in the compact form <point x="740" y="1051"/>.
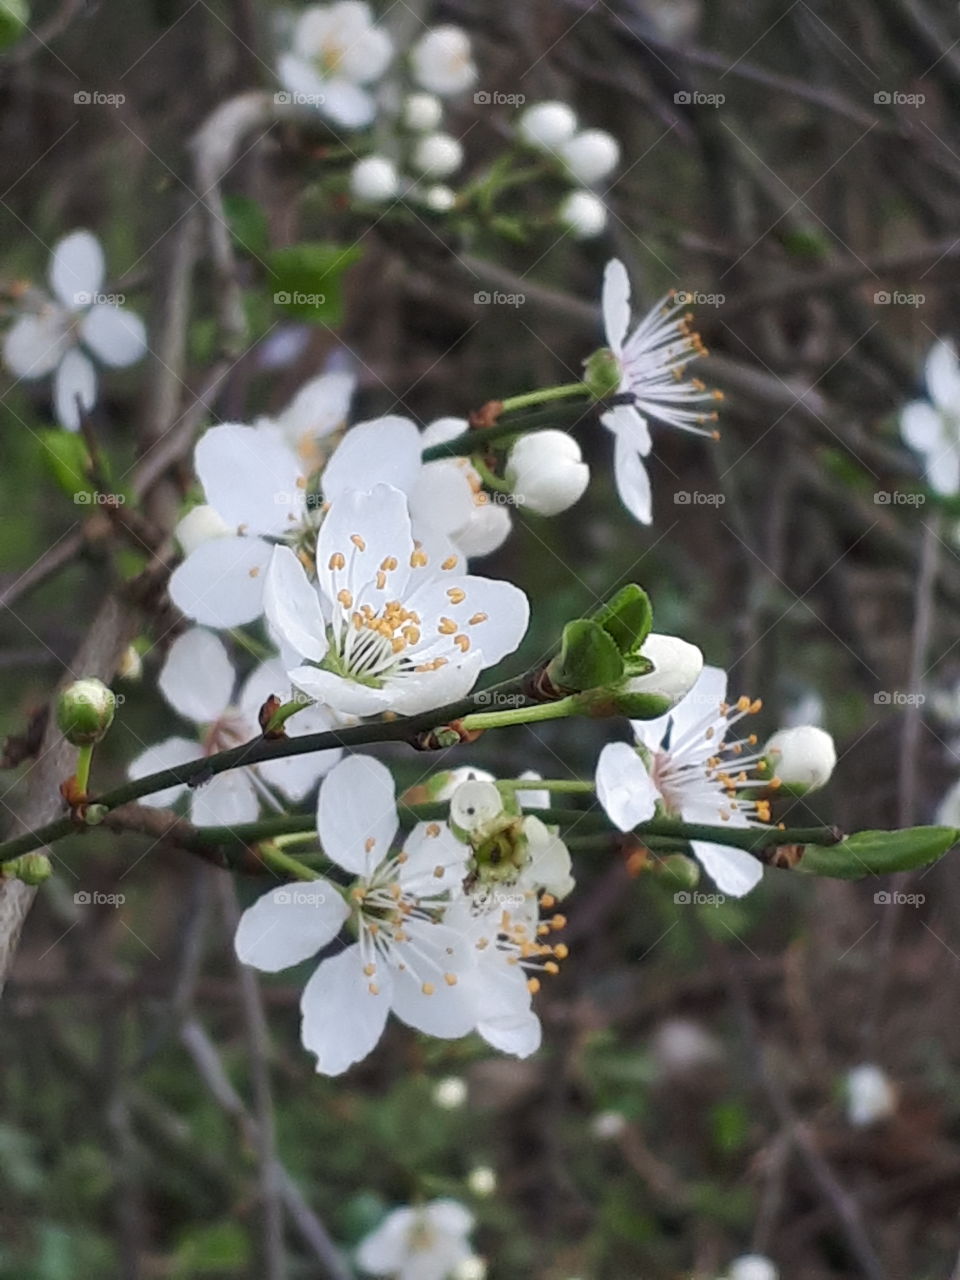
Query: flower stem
<point x="545" y="395"/>
<point x="546" y="784"/>
<point x="558" y="710"/>
<point x="488" y="477"/>
<point x="283" y="863"/>
<point x="284" y="712"/>
<point x="84" y="761"/>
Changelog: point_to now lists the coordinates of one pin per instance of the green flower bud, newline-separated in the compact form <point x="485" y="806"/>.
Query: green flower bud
<point x="31" y="868"/>
<point x="676" y="870"/>
<point x="85" y="711"/>
<point x="602" y="373"/>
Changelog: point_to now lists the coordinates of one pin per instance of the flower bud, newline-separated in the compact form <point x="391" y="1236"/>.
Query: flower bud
<point x="31" y="868"/>
<point x="199" y="526"/>
<point x="752" y="1266"/>
<point x="374" y="179"/>
<point x="802" y="758"/>
<point x="870" y="1095"/>
<point x="547" y="124"/>
<point x="591" y="155"/>
<point x="439" y="199"/>
<point x="422" y="112"/>
<point x="482" y="1180"/>
<point x="583" y="214"/>
<point x="85" y="711"/>
<point x="676" y="667"/>
<point x="438" y="154"/>
<point x="676" y="870"/>
<point x="546" y="472"/>
<point x="450" y="1093"/>
<point x="602" y="373"/>
<point x="442" y="61"/>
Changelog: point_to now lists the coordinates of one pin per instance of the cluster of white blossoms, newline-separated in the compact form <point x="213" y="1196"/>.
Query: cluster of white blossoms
<point x="448" y="929"/>
<point x="62" y="332"/>
<point x="423" y="1242"/>
<point x="688" y="765"/>
<point x="586" y="156"/>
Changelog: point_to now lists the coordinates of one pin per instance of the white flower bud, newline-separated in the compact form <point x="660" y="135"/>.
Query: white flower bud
<point x="584" y="214"/>
<point x="676" y="668"/>
<point x="591" y="155"/>
<point x="439" y="198"/>
<point x="802" y="758"/>
<point x="438" y="154"/>
<point x="546" y="472"/>
<point x="422" y="112"/>
<point x="482" y="1180"/>
<point x="607" y="1125"/>
<point x="450" y="1093"/>
<point x="199" y="526"/>
<point x="442" y="61"/>
<point x="474" y="804"/>
<point x="752" y="1266"/>
<point x="374" y="179"/>
<point x="547" y="124"/>
<point x="870" y="1095"/>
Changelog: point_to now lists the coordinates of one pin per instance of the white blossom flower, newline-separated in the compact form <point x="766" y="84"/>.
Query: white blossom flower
<point x="422" y="112"/>
<point x="199" y="525"/>
<point x="546" y="471"/>
<point x="439" y="199"/>
<point x="257" y="486"/>
<point x="803" y="757"/>
<point x="450" y="493"/>
<point x="651" y="362"/>
<point x="54" y="335"/>
<point x="387" y="627"/>
<point x="583" y="214"/>
<point x="438" y="154"/>
<point x="442" y="61"/>
<point x="871" y="1096"/>
<point x="482" y="1180"/>
<point x="591" y="155"/>
<point x="336" y="50"/>
<point x="374" y="179"/>
<point x="450" y="1093"/>
<point x="752" y="1266"/>
<point x="547" y="124"/>
<point x="426" y="1242"/>
<point x="933" y="427"/>
<point x="405" y="959"/>
<point x="318" y="409"/>
<point x="198" y="681"/>
<point x="689" y="765"/>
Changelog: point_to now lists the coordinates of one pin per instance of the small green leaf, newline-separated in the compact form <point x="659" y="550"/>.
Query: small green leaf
<point x="307" y="279"/>
<point x="878" y="853"/>
<point x="628" y="618"/>
<point x="588" y="658"/>
<point x="248" y="225"/>
<point x="65" y="455"/>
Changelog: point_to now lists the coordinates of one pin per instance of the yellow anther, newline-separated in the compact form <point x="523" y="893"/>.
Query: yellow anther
<point x="337" y="561"/>
<point x="358" y="542"/>
<point x="450" y="979"/>
<point x="533" y="985"/>
<point x="369" y="970"/>
<point x="433" y="830"/>
<point x="373" y="989"/>
<point x="450" y="562"/>
<point x="477" y="619"/>
<point x="388" y="564"/>
<point x="446" y="626"/>
<point x="345" y="598"/>
<point x="428" y="988"/>
<point x="456" y="595"/>
<point x="462" y="642"/>
<point x="381" y="579"/>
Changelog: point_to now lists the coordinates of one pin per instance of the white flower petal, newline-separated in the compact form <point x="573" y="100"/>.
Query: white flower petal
<point x="488" y="528"/>
<point x="704" y="698"/>
<point x="347" y="104"/>
<point x="292" y="606"/>
<point x="357" y="814"/>
<point x="75" y="380"/>
<point x="442" y="497"/>
<point x="943" y="469"/>
<point x="445" y="1009"/>
<point x="921" y="426"/>
<point x="734" y="871"/>
<point x="492" y="614"/>
<point x="116" y="336"/>
<point x="300" y="77"/>
<point x="225" y="801"/>
<point x="386" y="1250"/>
<point x="383" y="451"/>
<point x="627" y="421"/>
<point x="943" y="377"/>
<point x="319" y="407"/>
<point x="293" y="776"/>
<point x="505" y="1016"/>
<point x="616" y="304"/>
<point x="197" y="678"/>
<point x="35" y="344"/>
<point x="165" y="755"/>
<point x="365" y="529"/>
<point x="76" y="269"/>
<point x="252" y="478"/>
<point x="633" y="483"/>
<point x="341" y="694"/>
<point x="408" y="695"/>
<point x="220" y="584"/>
<point x="624" y="787"/>
<point x="431" y="847"/>
<point x="342" y="1019"/>
<point x="289" y="925"/>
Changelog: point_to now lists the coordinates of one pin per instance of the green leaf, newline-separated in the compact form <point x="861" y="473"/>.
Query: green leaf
<point x="628" y="618"/>
<point x="307" y="279"/>
<point x="588" y="658"/>
<point x="248" y="225"/>
<point x="218" y="1250"/>
<point x="878" y="853"/>
<point x="65" y="455"/>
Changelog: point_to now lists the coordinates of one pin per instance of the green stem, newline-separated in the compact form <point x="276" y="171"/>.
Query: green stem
<point x="545" y="395"/>
<point x="277" y="860"/>
<point x="573" y="785"/>
<point x="84" y="761"/>
<point x="488" y="477"/>
<point x="558" y="710"/>
<point x="486" y="437"/>
<point x="284" y="712"/>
